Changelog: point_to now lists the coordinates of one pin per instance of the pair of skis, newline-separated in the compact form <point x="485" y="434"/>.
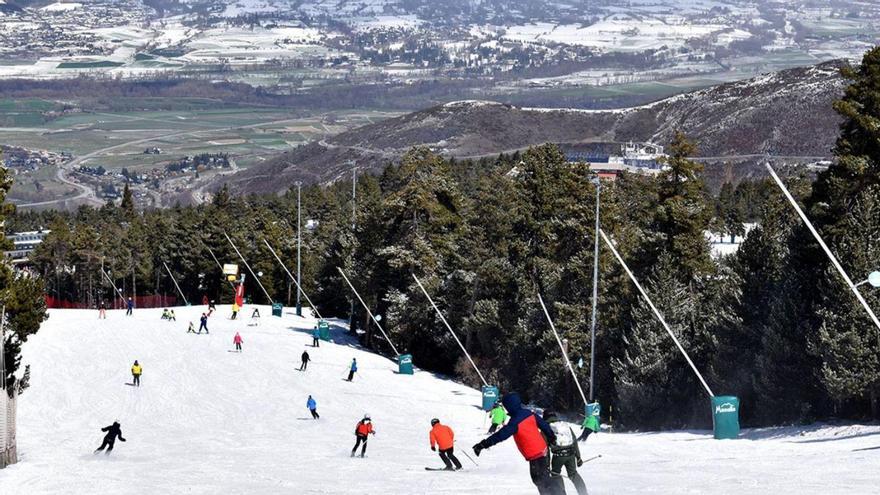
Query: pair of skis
<point x="469" y="457"/>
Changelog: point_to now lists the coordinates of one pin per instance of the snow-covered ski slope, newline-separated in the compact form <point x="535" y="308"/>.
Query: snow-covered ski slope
<point x="209" y="421"/>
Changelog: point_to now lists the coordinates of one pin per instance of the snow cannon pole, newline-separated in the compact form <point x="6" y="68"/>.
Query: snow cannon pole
<point x="175" y="283"/>
<point x="218" y="265"/>
<point x="562" y="348"/>
<point x="656" y="312"/>
<point x="249" y="269"/>
<point x="118" y="292"/>
<point x="314" y="308"/>
<point x="368" y="311"/>
<point x="450" y="329"/>
<point x="824" y="246"/>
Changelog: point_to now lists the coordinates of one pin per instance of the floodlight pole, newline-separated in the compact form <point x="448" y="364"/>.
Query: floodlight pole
<point x="824" y="246"/>
<point x="595" y="296"/>
<point x="298" y="247"/>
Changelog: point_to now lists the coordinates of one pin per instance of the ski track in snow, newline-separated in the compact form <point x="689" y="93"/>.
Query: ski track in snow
<point x="210" y="421"/>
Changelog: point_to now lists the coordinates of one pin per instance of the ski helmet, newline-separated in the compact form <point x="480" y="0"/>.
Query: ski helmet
<point x="434" y="421"/>
<point x="367" y="416"/>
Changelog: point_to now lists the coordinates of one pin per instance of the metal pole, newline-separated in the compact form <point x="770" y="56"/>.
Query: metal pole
<point x="368" y="310"/>
<point x="248" y="267"/>
<point x="298" y="247"/>
<point x="3" y="353"/>
<point x="595" y="298"/>
<point x="562" y="348"/>
<point x="656" y="312"/>
<point x="175" y="283"/>
<point x="118" y="292"/>
<point x="825" y="248"/>
<point x="298" y="287"/>
<point x="450" y="329"/>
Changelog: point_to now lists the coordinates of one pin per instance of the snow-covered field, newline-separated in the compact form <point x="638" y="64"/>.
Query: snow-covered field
<point x="206" y="420"/>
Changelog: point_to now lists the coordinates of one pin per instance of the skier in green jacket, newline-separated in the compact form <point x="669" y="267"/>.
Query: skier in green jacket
<point x="498" y="415"/>
<point x="590" y="425"/>
<point x="565" y="451"/>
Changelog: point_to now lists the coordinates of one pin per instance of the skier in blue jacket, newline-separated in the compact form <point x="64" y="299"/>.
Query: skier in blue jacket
<point x="313" y="407"/>
<point x="526" y="428"/>
<point x="353" y="369"/>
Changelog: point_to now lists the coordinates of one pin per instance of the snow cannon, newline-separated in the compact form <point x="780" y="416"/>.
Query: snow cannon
<point x="405" y="364"/>
<point x="277" y="309"/>
<point x="490" y="397"/>
<point x="725" y="417"/>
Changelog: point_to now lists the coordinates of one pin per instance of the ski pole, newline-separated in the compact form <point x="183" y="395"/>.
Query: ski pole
<point x="591" y="459"/>
<point x="464" y="451"/>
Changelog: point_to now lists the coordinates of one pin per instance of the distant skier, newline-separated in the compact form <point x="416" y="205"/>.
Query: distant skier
<point x="203" y="323"/>
<point x="172" y="316"/>
<point x="313" y="408"/>
<point x="362" y="431"/>
<point x="590" y="425"/>
<point x="136" y="371"/>
<point x="237" y="341"/>
<point x="566" y="453"/>
<point x="102" y="311"/>
<point x="235" y="310"/>
<point x="113" y="431"/>
<point x="352" y="369"/>
<point x="211" y="308"/>
<point x="316" y="337"/>
<point x="498" y="417"/>
<point x="526" y="427"/>
<point x="305" y="361"/>
<point x="165" y="314"/>
<point x="443" y="437"/>
<point x="130" y="305"/>
<point x="256" y="313"/>
<point x="191" y="329"/>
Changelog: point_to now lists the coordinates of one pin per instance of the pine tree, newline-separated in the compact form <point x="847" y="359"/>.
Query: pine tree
<point x="127" y="204"/>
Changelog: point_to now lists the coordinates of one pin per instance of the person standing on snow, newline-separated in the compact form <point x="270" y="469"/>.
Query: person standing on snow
<point x="211" y="308"/>
<point x="362" y="431"/>
<point x="136" y="371"/>
<point x="191" y="329"/>
<point x="305" y="361"/>
<point x="526" y="427"/>
<point x="352" y="369"/>
<point x="113" y="431"/>
<point x="102" y="311"/>
<point x="565" y="452"/>
<point x="498" y="417"/>
<point x="171" y="316"/>
<point x="130" y="305"/>
<point x="313" y="408"/>
<point x="316" y="337"/>
<point x="203" y="323"/>
<point x="237" y="341"/>
<point x="443" y="437"/>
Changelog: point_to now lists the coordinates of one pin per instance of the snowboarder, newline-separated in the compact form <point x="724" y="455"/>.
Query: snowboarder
<point x="102" y="311"/>
<point x="130" y="305"/>
<point x="313" y="408"/>
<point x="235" y="309"/>
<point x="237" y="341"/>
<point x="352" y="369"/>
<point x="191" y="329"/>
<point x="305" y="361"/>
<point x="316" y="337"/>
<point x="362" y="431"/>
<point x="443" y="437"/>
<point x="590" y="425"/>
<point x="113" y="431"/>
<point x="565" y="452"/>
<point x="136" y="371"/>
<point x="498" y="417"/>
<point x="526" y="427"/>
<point x="203" y="323"/>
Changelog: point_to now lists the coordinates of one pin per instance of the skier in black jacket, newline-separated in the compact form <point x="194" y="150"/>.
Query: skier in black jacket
<point x="113" y="431"/>
<point x="305" y="361"/>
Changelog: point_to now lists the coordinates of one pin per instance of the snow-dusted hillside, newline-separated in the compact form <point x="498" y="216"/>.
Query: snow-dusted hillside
<point x="206" y="420"/>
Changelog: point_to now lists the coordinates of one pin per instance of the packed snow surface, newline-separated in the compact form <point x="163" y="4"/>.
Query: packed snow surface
<point x="206" y="421"/>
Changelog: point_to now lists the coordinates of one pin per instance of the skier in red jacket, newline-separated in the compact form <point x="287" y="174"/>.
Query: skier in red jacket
<point x="361" y="432"/>
<point x="526" y="427"/>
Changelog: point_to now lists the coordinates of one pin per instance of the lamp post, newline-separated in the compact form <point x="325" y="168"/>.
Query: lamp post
<point x="596" y="182"/>
<point x="354" y="179"/>
<point x="298" y="247"/>
<point x="873" y="279"/>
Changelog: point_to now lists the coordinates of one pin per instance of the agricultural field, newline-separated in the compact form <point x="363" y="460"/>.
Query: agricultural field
<point x="121" y="140"/>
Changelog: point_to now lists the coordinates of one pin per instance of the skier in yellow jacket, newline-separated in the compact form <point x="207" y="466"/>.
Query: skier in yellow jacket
<point x="136" y="371"/>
